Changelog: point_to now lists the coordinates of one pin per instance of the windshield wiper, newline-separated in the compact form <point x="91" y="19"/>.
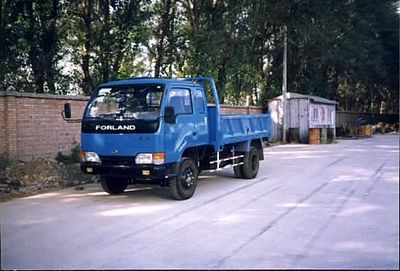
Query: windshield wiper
<point x="120" y="117"/>
<point x="105" y="116"/>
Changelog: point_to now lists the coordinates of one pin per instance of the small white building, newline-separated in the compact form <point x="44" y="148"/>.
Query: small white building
<point x="302" y="113"/>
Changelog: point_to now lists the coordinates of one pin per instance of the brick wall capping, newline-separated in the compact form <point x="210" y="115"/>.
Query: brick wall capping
<point x="42" y="96"/>
<point x="239" y="106"/>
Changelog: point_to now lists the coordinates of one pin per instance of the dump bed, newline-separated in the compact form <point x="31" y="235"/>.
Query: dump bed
<point x="237" y="128"/>
<point x="228" y="129"/>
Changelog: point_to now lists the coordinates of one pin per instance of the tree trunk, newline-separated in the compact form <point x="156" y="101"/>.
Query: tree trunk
<point x="34" y="56"/>
<point x="50" y="43"/>
<point x="164" y="28"/>
<point x="3" y="14"/>
<point x="105" y="50"/>
<point x="221" y="82"/>
<point x="87" y="82"/>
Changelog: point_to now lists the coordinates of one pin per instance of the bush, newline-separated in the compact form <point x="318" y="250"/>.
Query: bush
<point x="6" y="160"/>
<point x="73" y="158"/>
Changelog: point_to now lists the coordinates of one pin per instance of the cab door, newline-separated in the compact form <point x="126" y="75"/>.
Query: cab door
<point x="190" y="128"/>
<point x="180" y="135"/>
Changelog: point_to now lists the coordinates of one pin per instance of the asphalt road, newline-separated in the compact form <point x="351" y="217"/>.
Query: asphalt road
<point x="311" y="206"/>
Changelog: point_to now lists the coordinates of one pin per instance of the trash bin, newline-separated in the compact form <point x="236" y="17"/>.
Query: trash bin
<point x="324" y="136"/>
<point x="294" y="136"/>
<point x="313" y="136"/>
<point x="331" y="135"/>
<point x="366" y="130"/>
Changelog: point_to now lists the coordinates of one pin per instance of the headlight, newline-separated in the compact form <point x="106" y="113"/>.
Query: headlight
<point x="144" y="158"/>
<point x="90" y="157"/>
<point x="150" y="158"/>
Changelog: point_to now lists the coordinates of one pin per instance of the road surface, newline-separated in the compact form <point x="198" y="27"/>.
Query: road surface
<point x="311" y="206"/>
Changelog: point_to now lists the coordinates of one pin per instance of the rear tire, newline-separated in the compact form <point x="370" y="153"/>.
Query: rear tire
<point x="113" y="186"/>
<point x="251" y="164"/>
<point x="184" y="185"/>
<point x="238" y="170"/>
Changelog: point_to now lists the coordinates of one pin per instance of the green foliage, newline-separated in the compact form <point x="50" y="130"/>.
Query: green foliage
<point x="7" y="160"/>
<point x="72" y="158"/>
<point x="338" y="49"/>
<point x="104" y="38"/>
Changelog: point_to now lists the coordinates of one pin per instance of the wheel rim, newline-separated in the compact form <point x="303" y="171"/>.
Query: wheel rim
<point x="188" y="178"/>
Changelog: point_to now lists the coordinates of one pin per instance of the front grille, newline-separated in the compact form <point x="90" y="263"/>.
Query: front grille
<point x="117" y="160"/>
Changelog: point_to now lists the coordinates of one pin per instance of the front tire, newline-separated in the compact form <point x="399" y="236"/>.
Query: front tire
<point x="184" y="185"/>
<point x="113" y="186"/>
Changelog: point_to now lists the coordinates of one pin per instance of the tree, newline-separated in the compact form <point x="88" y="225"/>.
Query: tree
<point x="343" y="50"/>
<point x="164" y="32"/>
<point x="36" y="34"/>
<point x="107" y="34"/>
<point x="12" y="48"/>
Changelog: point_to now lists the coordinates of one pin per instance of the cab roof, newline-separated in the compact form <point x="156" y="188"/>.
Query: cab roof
<point x="151" y="80"/>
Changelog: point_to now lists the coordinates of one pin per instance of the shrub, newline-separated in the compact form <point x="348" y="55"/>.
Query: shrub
<point x="6" y="160"/>
<point x="73" y="158"/>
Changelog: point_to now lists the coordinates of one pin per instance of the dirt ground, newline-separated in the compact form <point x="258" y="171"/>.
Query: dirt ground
<point x="20" y="179"/>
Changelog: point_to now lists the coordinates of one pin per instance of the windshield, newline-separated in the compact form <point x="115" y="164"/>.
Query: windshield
<point x="127" y="102"/>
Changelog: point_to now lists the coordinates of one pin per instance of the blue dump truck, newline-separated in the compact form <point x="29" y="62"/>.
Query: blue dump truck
<point x="165" y="132"/>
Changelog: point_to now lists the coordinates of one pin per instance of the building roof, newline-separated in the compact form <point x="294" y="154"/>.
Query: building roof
<point x="315" y="99"/>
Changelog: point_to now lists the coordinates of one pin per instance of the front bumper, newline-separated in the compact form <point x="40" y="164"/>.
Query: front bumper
<point x="136" y="172"/>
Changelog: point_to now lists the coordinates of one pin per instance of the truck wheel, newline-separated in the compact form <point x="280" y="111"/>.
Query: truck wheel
<point x="251" y="164"/>
<point x="113" y="186"/>
<point x="184" y="185"/>
<point x="238" y="170"/>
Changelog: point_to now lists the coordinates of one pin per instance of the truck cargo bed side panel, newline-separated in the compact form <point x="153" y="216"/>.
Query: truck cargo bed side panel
<point x="238" y="128"/>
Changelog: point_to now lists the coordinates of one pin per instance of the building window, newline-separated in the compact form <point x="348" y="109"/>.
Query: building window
<point x="315" y="114"/>
<point x="330" y="115"/>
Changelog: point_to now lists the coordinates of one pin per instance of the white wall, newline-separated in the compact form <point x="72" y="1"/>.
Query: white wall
<point x="276" y="110"/>
<point x="322" y="116"/>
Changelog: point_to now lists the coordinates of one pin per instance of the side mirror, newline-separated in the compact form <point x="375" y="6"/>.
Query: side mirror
<point x="169" y="114"/>
<point x="67" y="110"/>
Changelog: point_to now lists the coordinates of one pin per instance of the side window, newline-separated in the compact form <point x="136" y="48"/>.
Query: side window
<point x="181" y="101"/>
<point x="199" y="101"/>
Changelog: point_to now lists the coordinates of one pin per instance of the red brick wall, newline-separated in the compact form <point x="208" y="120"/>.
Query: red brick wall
<point x="236" y="109"/>
<point x="31" y="124"/>
<point x="3" y="143"/>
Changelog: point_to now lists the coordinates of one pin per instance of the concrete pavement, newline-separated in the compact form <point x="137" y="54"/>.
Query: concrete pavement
<point x="311" y="206"/>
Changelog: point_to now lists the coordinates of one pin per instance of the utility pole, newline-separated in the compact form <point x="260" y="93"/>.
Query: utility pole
<point x="284" y="84"/>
